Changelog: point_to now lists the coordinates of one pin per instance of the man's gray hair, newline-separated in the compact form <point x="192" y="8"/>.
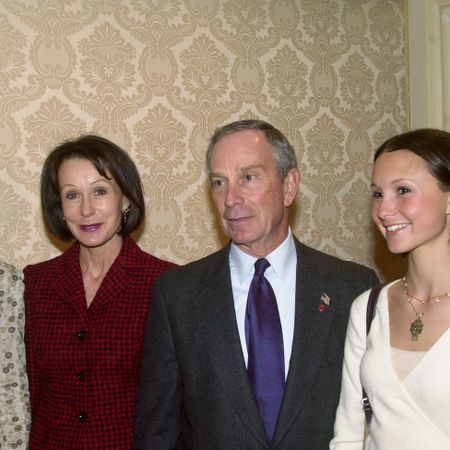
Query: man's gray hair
<point x="282" y="150"/>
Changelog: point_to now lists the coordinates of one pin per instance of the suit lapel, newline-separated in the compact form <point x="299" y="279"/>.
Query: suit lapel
<point x="68" y="282"/>
<point x="311" y="332"/>
<point x="220" y="335"/>
<point x="218" y="329"/>
<point x="120" y="274"/>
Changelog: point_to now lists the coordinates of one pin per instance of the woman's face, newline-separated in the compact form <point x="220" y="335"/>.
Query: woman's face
<point x="92" y="204"/>
<point x="408" y="206"/>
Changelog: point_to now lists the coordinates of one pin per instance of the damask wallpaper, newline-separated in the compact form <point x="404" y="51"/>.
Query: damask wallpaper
<point x="158" y="76"/>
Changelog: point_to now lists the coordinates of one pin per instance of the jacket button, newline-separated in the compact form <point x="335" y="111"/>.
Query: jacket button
<point x="81" y="335"/>
<point x="81" y="376"/>
<point x="82" y="416"/>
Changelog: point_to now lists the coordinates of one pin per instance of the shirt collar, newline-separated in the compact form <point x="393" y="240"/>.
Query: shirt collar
<point x="280" y="259"/>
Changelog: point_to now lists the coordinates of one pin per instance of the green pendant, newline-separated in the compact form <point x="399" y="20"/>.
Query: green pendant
<point x="416" y="328"/>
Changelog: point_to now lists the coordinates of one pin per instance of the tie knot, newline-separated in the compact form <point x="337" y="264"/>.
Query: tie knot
<point x="261" y="265"/>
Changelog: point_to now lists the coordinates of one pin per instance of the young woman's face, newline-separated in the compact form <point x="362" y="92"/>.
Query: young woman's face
<point x="408" y="207"/>
<point x="92" y="204"/>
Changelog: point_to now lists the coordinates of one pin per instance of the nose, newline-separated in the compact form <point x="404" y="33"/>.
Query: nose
<point x="233" y="195"/>
<point x="383" y="208"/>
<point x="86" y="207"/>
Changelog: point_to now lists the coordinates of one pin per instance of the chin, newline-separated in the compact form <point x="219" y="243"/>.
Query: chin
<point x="398" y="249"/>
<point x="241" y="238"/>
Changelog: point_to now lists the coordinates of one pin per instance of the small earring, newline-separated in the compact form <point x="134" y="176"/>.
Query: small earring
<point x="67" y="226"/>
<point x="125" y="214"/>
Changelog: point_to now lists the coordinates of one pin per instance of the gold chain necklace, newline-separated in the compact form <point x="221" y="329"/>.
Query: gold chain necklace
<point x="416" y="326"/>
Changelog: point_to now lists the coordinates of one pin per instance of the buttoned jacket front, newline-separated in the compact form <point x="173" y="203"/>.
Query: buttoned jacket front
<point x="83" y="363"/>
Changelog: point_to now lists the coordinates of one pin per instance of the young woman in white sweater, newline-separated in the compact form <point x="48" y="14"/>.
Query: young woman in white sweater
<point x="404" y="362"/>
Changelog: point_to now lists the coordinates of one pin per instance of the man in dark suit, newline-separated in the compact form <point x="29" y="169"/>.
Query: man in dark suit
<point x="211" y="377"/>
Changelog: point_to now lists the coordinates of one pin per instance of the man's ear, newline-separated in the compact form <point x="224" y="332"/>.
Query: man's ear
<point x="290" y="186"/>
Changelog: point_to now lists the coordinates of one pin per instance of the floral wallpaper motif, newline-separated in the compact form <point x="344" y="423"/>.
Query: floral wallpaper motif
<point x="157" y="77"/>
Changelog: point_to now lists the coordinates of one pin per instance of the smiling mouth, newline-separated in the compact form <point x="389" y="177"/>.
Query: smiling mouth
<point x="396" y="227"/>
<point x="91" y="227"/>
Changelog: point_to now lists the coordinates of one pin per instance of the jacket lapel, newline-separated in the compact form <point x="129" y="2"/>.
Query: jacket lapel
<point x="311" y="333"/>
<point x="220" y="335"/>
<point x="68" y="282"/>
<point x="120" y="274"/>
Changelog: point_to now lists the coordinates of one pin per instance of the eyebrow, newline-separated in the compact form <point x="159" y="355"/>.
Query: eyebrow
<point x="396" y="181"/>
<point x="399" y="180"/>
<point x="100" y="180"/>
<point x="250" y="167"/>
<point x="240" y="169"/>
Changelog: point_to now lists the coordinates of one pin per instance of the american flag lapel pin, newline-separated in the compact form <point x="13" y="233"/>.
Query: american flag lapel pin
<point x="325" y="302"/>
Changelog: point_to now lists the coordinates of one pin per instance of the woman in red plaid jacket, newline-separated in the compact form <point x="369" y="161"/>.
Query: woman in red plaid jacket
<point x="86" y="309"/>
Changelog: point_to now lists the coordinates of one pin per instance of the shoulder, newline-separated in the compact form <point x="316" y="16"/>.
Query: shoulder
<point x="50" y="266"/>
<point x="157" y="264"/>
<point x="310" y="257"/>
<point x="201" y="268"/>
<point x="134" y="256"/>
<point x="9" y="274"/>
<point x="359" y="306"/>
<point x="11" y="284"/>
<point x="43" y="277"/>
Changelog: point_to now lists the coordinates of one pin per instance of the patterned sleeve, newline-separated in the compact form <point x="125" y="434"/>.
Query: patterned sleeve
<point x="14" y="396"/>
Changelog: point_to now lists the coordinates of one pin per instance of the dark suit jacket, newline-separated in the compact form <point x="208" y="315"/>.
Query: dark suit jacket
<point x="194" y="390"/>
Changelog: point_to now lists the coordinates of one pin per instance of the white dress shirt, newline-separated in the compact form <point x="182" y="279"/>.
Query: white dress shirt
<point x="282" y="276"/>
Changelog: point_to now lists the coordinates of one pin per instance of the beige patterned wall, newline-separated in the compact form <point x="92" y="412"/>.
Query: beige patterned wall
<point x="157" y="76"/>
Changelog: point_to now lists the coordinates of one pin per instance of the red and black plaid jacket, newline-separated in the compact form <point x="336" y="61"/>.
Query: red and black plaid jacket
<point x="83" y="363"/>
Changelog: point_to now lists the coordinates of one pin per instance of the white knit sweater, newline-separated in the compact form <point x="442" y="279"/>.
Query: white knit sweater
<point x="410" y="415"/>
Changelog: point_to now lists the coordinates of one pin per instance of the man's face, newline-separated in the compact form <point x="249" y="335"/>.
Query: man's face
<point x="250" y="198"/>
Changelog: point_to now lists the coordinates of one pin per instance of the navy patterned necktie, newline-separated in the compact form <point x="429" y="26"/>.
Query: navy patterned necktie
<point x="264" y="339"/>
